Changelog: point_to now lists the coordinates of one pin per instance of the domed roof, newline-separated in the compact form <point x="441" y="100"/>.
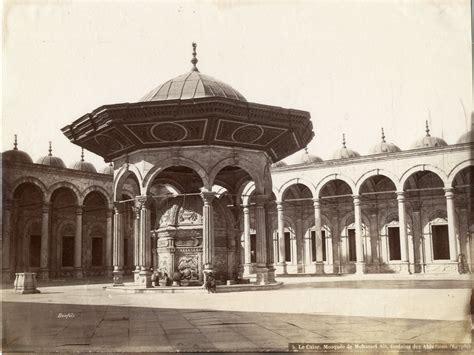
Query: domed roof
<point x="108" y="169"/>
<point x="192" y="85"/>
<point x="384" y="147"/>
<point x="428" y="140"/>
<point x="467" y="137"/>
<point x="16" y="156"/>
<point x="83" y="165"/>
<point x="344" y="152"/>
<point x="307" y="158"/>
<point x="51" y="160"/>
<point x="279" y="164"/>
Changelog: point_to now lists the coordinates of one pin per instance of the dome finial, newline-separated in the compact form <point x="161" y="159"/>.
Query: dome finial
<point x="15" y="142"/>
<point x="383" y="136"/>
<point x="343" y="140"/>
<point x="50" y="150"/>
<point x="306" y="150"/>
<point x="82" y="154"/>
<point x="427" y="130"/>
<point x="194" y="60"/>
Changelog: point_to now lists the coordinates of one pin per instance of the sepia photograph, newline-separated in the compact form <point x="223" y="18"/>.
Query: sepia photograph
<point x="230" y="176"/>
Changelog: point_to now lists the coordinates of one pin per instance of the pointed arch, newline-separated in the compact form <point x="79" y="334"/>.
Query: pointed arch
<point x="100" y="190"/>
<point x="121" y="176"/>
<point x="32" y="180"/>
<point x="332" y="177"/>
<point x="294" y="181"/>
<point x="378" y="172"/>
<point x="65" y="184"/>
<point x="423" y="167"/>
<point x="459" y="167"/>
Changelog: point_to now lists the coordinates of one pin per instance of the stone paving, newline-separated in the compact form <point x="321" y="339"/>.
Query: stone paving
<point x="87" y="318"/>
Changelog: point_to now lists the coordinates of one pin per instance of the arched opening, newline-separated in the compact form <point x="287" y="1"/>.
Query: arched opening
<point x="94" y="225"/>
<point x="425" y="200"/>
<point x="335" y="198"/>
<point x="26" y="222"/>
<point x="378" y="194"/>
<point x="67" y="245"/>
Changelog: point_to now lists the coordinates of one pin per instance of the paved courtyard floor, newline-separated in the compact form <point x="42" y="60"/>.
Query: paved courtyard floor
<point x="86" y="318"/>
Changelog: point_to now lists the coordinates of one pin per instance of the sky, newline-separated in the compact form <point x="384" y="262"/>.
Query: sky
<point x="356" y="66"/>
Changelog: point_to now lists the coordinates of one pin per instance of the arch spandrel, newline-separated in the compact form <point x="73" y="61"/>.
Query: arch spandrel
<point x="170" y="162"/>
<point x="295" y="181"/>
<point x="378" y="172"/>
<point x="31" y="180"/>
<point x="423" y="167"/>
<point x="67" y="185"/>
<point x="457" y="169"/>
<point x="333" y="177"/>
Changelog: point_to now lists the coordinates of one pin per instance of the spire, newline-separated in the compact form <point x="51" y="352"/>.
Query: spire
<point x="383" y="136"/>
<point x="15" y="142"/>
<point x="306" y="150"/>
<point x="194" y="60"/>
<point x="82" y="154"/>
<point x="343" y="140"/>
<point x="50" y="150"/>
<point x="427" y="130"/>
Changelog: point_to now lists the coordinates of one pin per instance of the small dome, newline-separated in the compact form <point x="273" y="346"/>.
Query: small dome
<point x="192" y="85"/>
<point x="344" y="152"/>
<point x="51" y="160"/>
<point x="84" y="165"/>
<point x="108" y="169"/>
<point x="307" y="158"/>
<point x="16" y="156"/>
<point x="384" y="147"/>
<point x="467" y="137"/>
<point x="279" y="164"/>
<point x="429" y="141"/>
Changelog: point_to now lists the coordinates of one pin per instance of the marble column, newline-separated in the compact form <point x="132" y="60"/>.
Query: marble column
<point x="118" y="245"/>
<point x="247" y="252"/>
<point x="402" y="226"/>
<point x="262" y="271"/>
<point x="108" y="243"/>
<point x="136" y="240"/>
<point x="144" y="242"/>
<point x="6" y="235"/>
<point x="360" y="267"/>
<point x="269" y="242"/>
<point x="318" y="237"/>
<point x="44" y="270"/>
<point x="207" y="232"/>
<point x="281" y="239"/>
<point x="452" y="230"/>
<point x="78" y="243"/>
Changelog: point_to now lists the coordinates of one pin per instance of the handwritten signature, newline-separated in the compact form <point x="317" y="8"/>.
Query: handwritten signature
<point x="66" y="315"/>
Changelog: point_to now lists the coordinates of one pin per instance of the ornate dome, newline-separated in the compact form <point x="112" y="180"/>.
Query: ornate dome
<point x="279" y="164"/>
<point x="307" y="158"/>
<point x="84" y="165"/>
<point x="108" y="169"/>
<point x="428" y="140"/>
<point x="384" y="147"/>
<point x="467" y="137"/>
<point x="16" y="156"/>
<point x="192" y="85"/>
<point x="344" y="152"/>
<point x="51" y="160"/>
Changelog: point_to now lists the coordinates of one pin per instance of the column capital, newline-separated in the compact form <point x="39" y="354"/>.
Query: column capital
<point x="118" y="207"/>
<point x="356" y="199"/>
<point x="317" y="202"/>
<point x="279" y="205"/>
<point x="79" y="209"/>
<point x="142" y="201"/>
<point x="246" y="209"/>
<point x="136" y="210"/>
<point x="449" y="192"/>
<point x="46" y="207"/>
<point x="400" y="196"/>
<point x="207" y="196"/>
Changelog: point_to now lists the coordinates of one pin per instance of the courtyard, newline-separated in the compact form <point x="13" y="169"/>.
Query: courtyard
<point x="85" y="316"/>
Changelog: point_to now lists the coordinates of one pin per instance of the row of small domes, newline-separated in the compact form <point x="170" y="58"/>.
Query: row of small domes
<point x="18" y="156"/>
<point x="383" y="147"/>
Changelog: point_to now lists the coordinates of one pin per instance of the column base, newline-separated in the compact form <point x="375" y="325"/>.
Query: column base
<point x="247" y="269"/>
<point x="271" y="274"/>
<point x="136" y="276"/>
<point x="319" y="268"/>
<point x="360" y="268"/>
<point x="118" y="277"/>
<point x="281" y="268"/>
<point x="78" y="274"/>
<point x="44" y="274"/>
<point x="144" y="278"/>
<point x="404" y="268"/>
<point x="262" y="276"/>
